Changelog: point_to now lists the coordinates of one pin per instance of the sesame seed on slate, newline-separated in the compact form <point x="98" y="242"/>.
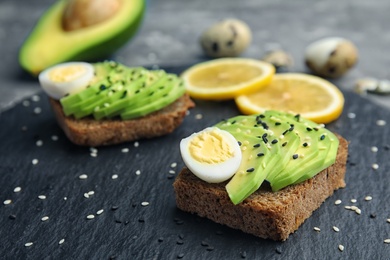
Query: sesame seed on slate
<point x="45" y="218"/>
<point x="138" y="172"/>
<point x="35" y="98"/>
<point x="118" y="221"/>
<point x="160" y="239"/>
<point x="12" y="216"/>
<point x="136" y="144"/>
<point x="7" y="202"/>
<point x="317" y="229"/>
<point x="179" y="242"/>
<point x="367" y="198"/>
<point x="114" y="177"/>
<point x="243" y="254"/>
<point x="374" y="149"/>
<point x="210" y="248"/>
<point x="17" y="189"/>
<point x="54" y="138"/>
<point x="198" y="116"/>
<point x="387" y="241"/>
<point x="86" y="195"/>
<point x="114" y="207"/>
<point x="372" y="215"/>
<point x="173" y="165"/>
<point x="90" y="193"/>
<point x="125" y="150"/>
<point x="34" y="161"/>
<point x="37" y="110"/>
<point x="90" y="216"/>
<point x="83" y="176"/>
<point x="351" y="115"/>
<point x="358" y="211"/>
<point x="42" y="197"/>
<point x="204" y="243"/>
<point x="381" y="122"/>
<point x="39" y="143"/>
<point x="386" y="147"/>
<point x="28" y="244"/>
<point x="353" y="200"/>
<point x="337" y="202"/>
<point x="61" y="241"/>
<point x="172" y="172"/>
<point x="278" y="250"/>
<point x="141" y="220"/>
<point x="180" y="256"/>
<point x="375" y="166"/>
<point x="336" y="229"/>
<point x="145" y="203"/>
<point x="26" y="103"/>
<point x="341" y="248"/>
<point x="100" y="211"/>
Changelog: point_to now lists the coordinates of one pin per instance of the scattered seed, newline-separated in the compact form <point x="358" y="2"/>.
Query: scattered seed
<point x="86" y="195"/>
<point x="26" y="103"/>
<point x="173" y="165"/>
<point x="136" y="144"/>
<point x="337" y="202"/>
<point x="160" y="239"/>
<point x="125" y="150"/>
<point x="91" y="192"/>
<point x="42" y="197"/>
<point x="250" y="170"/>
<point x="317" y="229"/>
<point x="198" y="116"/>
<point x="181" y="255"/>
<point x="372" y="215"/>
<point x="39" y="143"/>
<point x="347" y="207"/>
<point x="37" y="110"/>
<point x="367" y="198"/>
<point x="381" y="122"/>
<point x="7" y="202"/>
<point x="351" y="115"/>
<point x="17" y="189"/>
<point x="54" y="138"/>
<point x="45" y="218"/>
<point x="145" y="203"/>
<point x="138" y="172"/>
<point x="388" y="220"/>
<point x="114" y="207"/>
<point x="35" y="161"/>
<point x="295" y="156"/>
<point x="91" y="216"/>
<point x="278" y="250"/>
<point x="83" y="176"/>
<point x="61" y="241"/>
<point x="354" y="208"/>
<point x="28" y="244"/>
<point x="179" y="242"/>
<point x="99" y="212"/>
<point x="353" y="200"/>
<point x="387" y="241"/>
<point x="358" y="211"/>
<point x="336" y="229"/>
<point x="374" y="149"/>
<point x="114" y="177"/>
<point x="12" y="216"/>
<point x="65" y="198"/>
<point x="375" y="166"/>
<point x="341" y="248"/>
<point x="243" y="254"/>
<point x="204" y="243"/>
<point x="35" y="98"/>
<point x="210" y="248"/>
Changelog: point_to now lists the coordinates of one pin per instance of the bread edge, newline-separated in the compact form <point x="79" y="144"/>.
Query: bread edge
<point x="266" y="214"/>
<point x="91" y="132"/>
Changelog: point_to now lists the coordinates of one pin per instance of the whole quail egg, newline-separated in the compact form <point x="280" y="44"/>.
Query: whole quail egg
<point x="331" y="57"/>
<point x="228" y="38"/>
<point x="281" y="60"/>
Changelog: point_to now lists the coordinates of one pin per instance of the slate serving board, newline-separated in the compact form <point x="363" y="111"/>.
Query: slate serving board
<point x="128" y="228"/>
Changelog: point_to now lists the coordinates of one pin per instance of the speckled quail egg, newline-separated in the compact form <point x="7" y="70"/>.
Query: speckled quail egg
<point x="331" y="57"/>
<point x="281" y="60"/>
<point x="66" y="78"/>
<point x="212" y="154"/>
<point x="228" y="38"/>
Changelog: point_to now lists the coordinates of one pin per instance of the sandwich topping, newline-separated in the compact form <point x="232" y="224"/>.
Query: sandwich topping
<point x="278" y="147"/>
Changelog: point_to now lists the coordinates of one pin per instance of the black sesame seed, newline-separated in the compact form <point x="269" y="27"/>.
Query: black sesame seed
<point x="210" y="248"/>
<point x="179" y="242"/>
<point x="239" y="143"/>
<point x="322" y="137"/>
<point x="285" y="132"/>
<point x="309" y="129"/>
<point x="137" y="91"/>
<point x="305" y="144"/>
<point x="291" y="128"/>
<point x="180" y="222"/>
<point x="297" y="117"/>
<point x="372" y="215"/>
<point x="204" y="243"/>
<point x="295" y="156"/>
<point x="12" y="216"/>
<point x="274" y="141"/>
<point x="265" y="126"/>
<point x="169" y="177"/>
<point x="387" y="147"/>
<point x="284" y="144"/>
<point x="179" y="256"/>
<point x="250" y="170"/>
<point x="262" y="116"/>
<point x="215" y="47"/>
<point x="278" y="123"/>
<point x="141" y="220"/>
<point x="278" y="250"/>
<point x="118" y="221"/>
<point x="160" y="239"/>
<point x="127" y="222"/>
<point x="260" y="154"/>
<point x="256" y="145"/>
<point x="230" y="43"/>
<point x="233" y="122"/>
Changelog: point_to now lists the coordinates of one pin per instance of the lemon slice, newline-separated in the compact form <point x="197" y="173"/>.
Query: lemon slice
<point x="226" y="78"/>
<point x="312" y="97"/>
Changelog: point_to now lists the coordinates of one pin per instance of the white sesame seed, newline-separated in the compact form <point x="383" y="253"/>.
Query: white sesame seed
<point x="173" y="165"/>
<point x="388" y="220"/>
<point x="99" y="212"/>
<point x="93" y="150"/>
<point x="54" y="138"/>
<point x="65" y="198"/>
<point x="91" y="192"/>
<point x="61" y="241"/>
<point x="114" y="177"/>
<point x="138" y="172"/>
<point x="351" y="115"/>
<point x="198" y="116"/>
<point x="7" y="202"/>
<point x="42" y="197"/>
<point x="125" y="150"/>
<point x="347" y="207"/>
<point x="353" y="200"/>
<point x="35" y="98"/>
<point x="317" y="229"/>
<point x="387" y="241"/>
<point x="35" y="161"/>
<point x="341" y="248"/>
<point x="39" y="143"/>
<point x="381" y="122"/>
<point x="83" y="176"/>
<point x="336" y="229"/>
<point x="337" y="202"/>
<point x="93" y="154"/>
<point x="375" y="166"/>
<point x="17" y="189"/>
<point x="86" y="195"/>
<point x="45" y="218"/>
<point x="37" y="110"/>
<point x="26" y="103"/>
<point x="354" y="208"/>
<point x="145" y="203"/>
<point x="358" y="211"/>
<point x="374" y="149"/>
<point x="91" y="216"/>
<point x="28" y="244"/>
<point x="136" y="144"/>
<point x="367" y="198"/>
<point x="172" y="172"/>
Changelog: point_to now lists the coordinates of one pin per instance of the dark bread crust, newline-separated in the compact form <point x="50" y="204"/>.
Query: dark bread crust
<point x="266" y="214"/>
<point x="91" y="132"/>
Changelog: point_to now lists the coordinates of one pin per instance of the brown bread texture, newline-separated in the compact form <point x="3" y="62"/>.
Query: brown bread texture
<point x="266" y="214"/>
<point x="91" y="132"/>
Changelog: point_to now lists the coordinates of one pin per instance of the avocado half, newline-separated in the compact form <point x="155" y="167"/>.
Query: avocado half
<point x="49" y="44"/>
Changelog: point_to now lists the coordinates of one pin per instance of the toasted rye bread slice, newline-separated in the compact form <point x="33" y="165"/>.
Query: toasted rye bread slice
<point x="266" y="214"/>
<point x="91" y="132"/>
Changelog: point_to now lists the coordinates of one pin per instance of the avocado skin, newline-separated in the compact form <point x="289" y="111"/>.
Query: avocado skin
<point x="98" y="48"/>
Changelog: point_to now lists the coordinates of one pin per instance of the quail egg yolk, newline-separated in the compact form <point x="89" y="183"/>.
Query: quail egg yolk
<point x="66" y="78"/>
<point x="213" y="154"/>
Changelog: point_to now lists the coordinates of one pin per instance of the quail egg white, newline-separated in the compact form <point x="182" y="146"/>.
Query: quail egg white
<point x="66" y="78"/>
<point x="212" y="154"/>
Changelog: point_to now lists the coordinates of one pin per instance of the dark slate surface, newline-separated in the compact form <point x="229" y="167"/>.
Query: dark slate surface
<point x="128" y="230"/>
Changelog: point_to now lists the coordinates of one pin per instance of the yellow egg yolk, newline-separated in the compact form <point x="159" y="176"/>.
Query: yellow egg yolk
<point x="210" y="147"/>
<point x="66" y="74"/>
